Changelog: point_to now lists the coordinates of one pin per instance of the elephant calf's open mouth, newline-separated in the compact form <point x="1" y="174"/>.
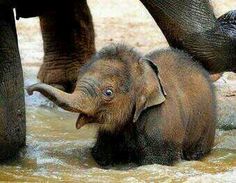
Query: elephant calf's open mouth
<point x="83" y="119"/>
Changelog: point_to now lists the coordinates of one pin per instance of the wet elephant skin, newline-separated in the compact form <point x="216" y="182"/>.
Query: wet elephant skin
<point x="156" y="108"/>
<point x="193" y="27"/>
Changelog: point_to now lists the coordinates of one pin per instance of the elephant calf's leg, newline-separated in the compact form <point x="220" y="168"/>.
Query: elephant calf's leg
<point x="68" y="37"/>
<point x="12" y="110"/>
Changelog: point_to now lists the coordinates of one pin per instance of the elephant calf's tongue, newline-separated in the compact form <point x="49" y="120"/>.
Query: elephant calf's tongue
<point x="82" y="120"/>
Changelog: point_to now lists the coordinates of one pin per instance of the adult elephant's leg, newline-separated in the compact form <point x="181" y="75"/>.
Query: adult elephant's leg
<point x="84" y="35"/>
<point x="12" y="107"/>
<point x="193" y="27"/>
<point x="56" y="27"/>
<point x="68" y="37"/>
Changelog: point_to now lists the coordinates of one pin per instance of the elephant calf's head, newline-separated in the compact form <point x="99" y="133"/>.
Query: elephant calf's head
<point x="112" y="89"/>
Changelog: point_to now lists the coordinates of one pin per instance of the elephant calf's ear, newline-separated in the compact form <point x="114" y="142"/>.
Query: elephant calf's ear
<point x="151" y="91"/>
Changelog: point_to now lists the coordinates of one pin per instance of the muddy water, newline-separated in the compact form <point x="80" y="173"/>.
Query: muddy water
<point x="56" y="151"/>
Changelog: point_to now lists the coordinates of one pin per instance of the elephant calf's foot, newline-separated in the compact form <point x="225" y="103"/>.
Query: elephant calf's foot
<point x="62" y="76"/>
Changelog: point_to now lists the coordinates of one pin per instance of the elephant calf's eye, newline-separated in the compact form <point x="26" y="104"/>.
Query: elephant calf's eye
<point x="108" y="93"/>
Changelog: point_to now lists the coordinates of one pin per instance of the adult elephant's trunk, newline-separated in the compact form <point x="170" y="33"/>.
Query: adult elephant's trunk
<point x="74" y="102"/>
<point x="193" y="27"/>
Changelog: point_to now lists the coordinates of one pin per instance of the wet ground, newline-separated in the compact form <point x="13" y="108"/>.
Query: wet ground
<point x="56" y="151"/>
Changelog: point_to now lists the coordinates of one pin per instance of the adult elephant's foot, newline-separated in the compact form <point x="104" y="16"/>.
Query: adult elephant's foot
<point x="68" y="37"/>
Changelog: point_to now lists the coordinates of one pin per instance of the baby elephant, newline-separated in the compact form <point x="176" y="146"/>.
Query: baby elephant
<point x="156" y="108"/>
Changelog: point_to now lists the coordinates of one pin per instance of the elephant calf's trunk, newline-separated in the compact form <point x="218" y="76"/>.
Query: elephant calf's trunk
<point x="62" y="99"/>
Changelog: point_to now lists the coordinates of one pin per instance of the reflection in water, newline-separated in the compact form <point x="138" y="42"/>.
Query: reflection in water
<point x="57" y="151"/>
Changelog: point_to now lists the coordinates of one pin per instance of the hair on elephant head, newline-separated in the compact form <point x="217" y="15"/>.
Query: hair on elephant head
<point x="116" y="78"/>
<point x="151" y="109"/>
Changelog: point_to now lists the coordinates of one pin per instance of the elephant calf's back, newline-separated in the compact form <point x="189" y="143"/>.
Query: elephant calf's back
<point x="191" y="100"/>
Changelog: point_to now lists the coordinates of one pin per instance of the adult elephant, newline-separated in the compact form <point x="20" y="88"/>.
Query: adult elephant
<point x="192" y="26"/>
<point x="68" y="37"/>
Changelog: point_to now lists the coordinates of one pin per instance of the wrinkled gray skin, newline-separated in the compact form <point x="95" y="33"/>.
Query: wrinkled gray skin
<point x="147" y="106"/>
<point x="193" y="27"/>
<point x="68" y="37"/>
<point x="12" y="109"/>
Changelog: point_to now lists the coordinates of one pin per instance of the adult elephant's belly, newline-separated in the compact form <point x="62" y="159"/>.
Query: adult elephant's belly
<point x="29" y="8"/>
